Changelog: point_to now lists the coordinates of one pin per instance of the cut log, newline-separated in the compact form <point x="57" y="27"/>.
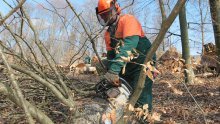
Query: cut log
<point x="205" y="75"/>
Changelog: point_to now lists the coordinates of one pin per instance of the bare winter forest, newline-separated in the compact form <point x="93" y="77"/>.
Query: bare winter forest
<point x="44" y="77"/>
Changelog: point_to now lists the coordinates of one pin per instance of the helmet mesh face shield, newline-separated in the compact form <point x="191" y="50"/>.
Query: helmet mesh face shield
<point x="106" y="17"/>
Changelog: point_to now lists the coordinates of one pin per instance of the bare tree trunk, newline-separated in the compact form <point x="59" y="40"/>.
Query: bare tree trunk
<point x="202" y="24"/>
<point x="215" y="13"/>
<point x="189" y="74"/>
<point x="163" y="13"/>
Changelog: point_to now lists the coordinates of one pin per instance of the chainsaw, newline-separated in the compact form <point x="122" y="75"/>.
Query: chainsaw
<point x="106" y="89"/>
<point x="116" y="95"/>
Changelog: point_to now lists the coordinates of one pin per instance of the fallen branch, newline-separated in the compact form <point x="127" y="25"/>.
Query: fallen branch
<point x="53" y="88"/>
<point x="17" y="91"/>
<point x="35" y="112"/>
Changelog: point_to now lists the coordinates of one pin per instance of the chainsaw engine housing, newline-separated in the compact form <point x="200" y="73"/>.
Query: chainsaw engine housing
<point x="106" y="89"/>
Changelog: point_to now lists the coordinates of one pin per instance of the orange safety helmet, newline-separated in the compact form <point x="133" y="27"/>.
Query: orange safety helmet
<point x="105" y="5"/>
<point x="104" y="11"/>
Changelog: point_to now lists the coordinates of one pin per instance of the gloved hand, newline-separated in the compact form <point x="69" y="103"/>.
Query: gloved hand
<point x="113" y="78"/>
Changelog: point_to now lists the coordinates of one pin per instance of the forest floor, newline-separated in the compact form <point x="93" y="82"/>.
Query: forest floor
<point x="171" y="101"/>
<point x="174" y="102"/>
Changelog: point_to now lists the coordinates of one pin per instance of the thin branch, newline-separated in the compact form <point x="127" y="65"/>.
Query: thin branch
<point x="12" y="11"/>
<point x="87" y="33"/>
<point x="47" y="56"/>
<point x="68" y="102"/>
<point x="38" y="71"/>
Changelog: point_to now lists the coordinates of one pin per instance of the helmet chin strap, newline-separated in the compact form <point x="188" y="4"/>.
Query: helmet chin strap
<point x="112" y="27"/>
<point x="114" y="23"/>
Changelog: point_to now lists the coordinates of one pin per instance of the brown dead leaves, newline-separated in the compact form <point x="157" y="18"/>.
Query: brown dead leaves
<point x="173" y="89"/>
<point x="129" y="57"/>
<point x="150" y="70"/>
<point x="142" y="114"/>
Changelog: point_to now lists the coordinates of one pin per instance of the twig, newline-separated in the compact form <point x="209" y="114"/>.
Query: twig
<point x="12" y="11"/>
<point x="90" y="37"/>
<point x="47" y="56"/>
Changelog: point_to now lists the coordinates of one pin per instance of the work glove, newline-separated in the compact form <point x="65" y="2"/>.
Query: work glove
<point x="112" y="78"/>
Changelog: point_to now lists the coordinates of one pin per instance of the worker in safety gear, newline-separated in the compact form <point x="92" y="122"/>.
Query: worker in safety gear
<point x="126" y="47"/>
<point x="87" y="60"/>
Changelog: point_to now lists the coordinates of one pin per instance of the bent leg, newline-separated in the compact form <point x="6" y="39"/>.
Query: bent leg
<point x="146" y="95"/>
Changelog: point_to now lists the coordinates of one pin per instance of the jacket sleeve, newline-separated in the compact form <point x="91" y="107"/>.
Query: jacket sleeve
<point x="116" y="64"/>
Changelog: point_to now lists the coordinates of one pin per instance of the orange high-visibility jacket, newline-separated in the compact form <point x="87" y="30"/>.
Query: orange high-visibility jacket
<point x="127" y="25"/>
